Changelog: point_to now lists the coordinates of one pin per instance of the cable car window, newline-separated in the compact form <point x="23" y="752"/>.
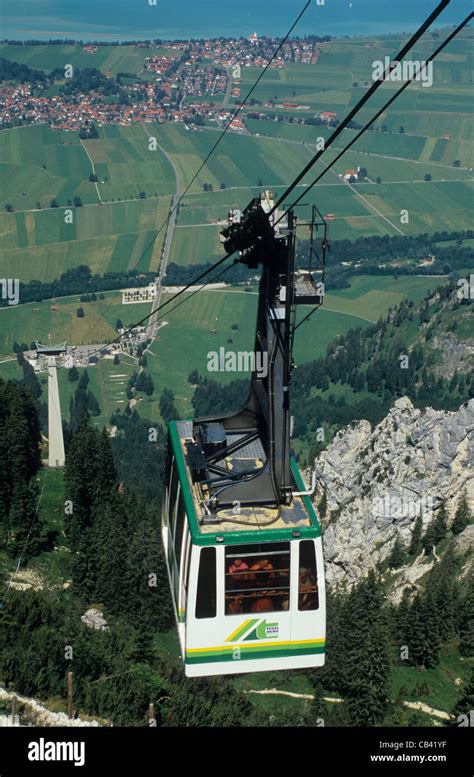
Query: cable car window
<point x="308" y="598"/>
<point x="188" y="564"/>
<point x="167" y="481"/>
<point x="178" y="537"/>
<point x="206" y="587"/>
<point x="257" y="578"/>
<point x="174" y="481"/>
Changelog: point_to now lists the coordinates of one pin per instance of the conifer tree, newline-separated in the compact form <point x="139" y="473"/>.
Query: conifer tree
<point x="414" y="633"/>
<point x="462" y="516"/>
<point x="466" y="620"/>
<point x="440" y="525"/>
<point x="415" y="543"/>
<point x="431" y="627"/>
<point x="401" y="615"/>
<point x="30" y="381"/>
<point x="20" y="460"/>
<point x="141" y="647"/>
<point x="84" y="567"/>
<point x="443" y="585"/>
<point x="331" y="673"/>
<point x="81" y="479"/>
<point x="397" y="554"/>
<point x="422" y="630"/>
<point x="428" y="540"/>
<point x="422" y="645"/>
<point x="317" y="714"/>
<point x="26" y="526"/>
<point x="106" y="474"/>
<point x="366" y="670"/>
<point x="148" y="599"/>
<point x="110" y="543"/>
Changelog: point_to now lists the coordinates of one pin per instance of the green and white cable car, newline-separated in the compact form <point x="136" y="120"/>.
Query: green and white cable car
<point x="242" y="541"/>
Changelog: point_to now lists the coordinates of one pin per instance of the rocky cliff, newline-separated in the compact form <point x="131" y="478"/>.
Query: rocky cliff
<point x="377" y="481"/>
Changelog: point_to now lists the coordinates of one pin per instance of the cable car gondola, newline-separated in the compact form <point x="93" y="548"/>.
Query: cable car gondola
<point x="241" y="538"/>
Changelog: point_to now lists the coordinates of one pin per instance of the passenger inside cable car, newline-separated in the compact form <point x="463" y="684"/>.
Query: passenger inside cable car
<point x="257" y="578"/>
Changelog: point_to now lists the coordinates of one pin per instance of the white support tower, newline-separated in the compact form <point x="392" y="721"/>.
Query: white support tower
<point x="56" y="457"/>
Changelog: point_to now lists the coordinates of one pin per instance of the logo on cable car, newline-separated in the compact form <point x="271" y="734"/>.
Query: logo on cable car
<point x="253" y="628"/>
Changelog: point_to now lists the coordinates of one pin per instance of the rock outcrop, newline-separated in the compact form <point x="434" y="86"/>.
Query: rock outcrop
<point x="378" y="481"/>
<point x="95" y="620"/>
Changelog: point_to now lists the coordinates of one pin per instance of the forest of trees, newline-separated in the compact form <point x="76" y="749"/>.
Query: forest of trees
<point x="118" y="672"/>
<point x="370" y="253"/>
<point x="13" y="71"/>
<point x="88" y="79"/>
<point x="21" y="530"/>
<point x="140" y="382"/>
<point x="112" y="525"/>
<point x="367" y="632"/>
<point x="82" y="399"/>
<point x="114" y="534"/>
<point x="79" y="280"/>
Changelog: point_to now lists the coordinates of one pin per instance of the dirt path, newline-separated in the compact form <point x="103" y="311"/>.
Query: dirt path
<point x="413" y="705"/>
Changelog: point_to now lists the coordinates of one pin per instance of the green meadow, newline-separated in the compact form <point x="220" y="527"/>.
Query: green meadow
<point x="38" y="164"/>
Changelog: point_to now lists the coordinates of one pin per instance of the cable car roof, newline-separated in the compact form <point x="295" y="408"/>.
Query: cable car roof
<point x="251" y="524"/>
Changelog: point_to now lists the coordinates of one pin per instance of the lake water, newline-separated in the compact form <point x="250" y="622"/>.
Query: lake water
<point x="137" y="19"/>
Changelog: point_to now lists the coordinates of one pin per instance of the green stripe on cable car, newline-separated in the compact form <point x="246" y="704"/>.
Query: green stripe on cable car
<point x="275" y="650"/>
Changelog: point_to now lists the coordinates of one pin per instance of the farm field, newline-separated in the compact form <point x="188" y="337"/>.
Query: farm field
<point x="38" y="164"/>
<point x="109" y="59"/>
<point x="344" y="71"/>
<point x="367" y="208"/>
<point x="108" y="237"/>
<point x="125" y="165"/>
<point x="358" y="210"/>
<point x="240" y="160"/>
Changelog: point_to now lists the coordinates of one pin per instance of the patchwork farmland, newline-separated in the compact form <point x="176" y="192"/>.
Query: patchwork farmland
<point x="124" y="191"/>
